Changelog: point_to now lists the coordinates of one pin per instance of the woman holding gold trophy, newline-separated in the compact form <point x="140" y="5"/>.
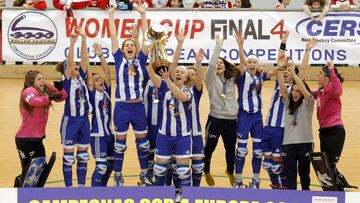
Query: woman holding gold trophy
<point x="153" y="105"/>
<point x="175" y="129"/>
<point x="131" y="77"/>
<point x="174" y="136"/>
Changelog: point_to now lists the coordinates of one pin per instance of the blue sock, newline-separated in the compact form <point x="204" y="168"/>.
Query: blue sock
<point x="68" y="161"/>
<point x="256" y="164"/>
<point x="169" y="174"/>
<point x="151" y="160"/>
<point x="119" y="156"/>
<point x="108" y="172"/>
<point x="142" y="145"/>
<point x="283" y="179"/>
<point x="197" y="170"/>
<point x="239" y="164"/>
<point x="159" y="173"/>
<point x="98" y="175"/>
<point x="274" y="178"/>
<point x="81" y="167"/>
<point x="184" y="177"/>
<point x="176" y="180"/>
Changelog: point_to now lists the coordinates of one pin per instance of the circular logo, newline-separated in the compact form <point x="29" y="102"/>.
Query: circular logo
<point x="32" y="35"/>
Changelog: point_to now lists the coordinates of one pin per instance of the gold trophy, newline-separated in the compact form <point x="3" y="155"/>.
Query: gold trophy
<point x="158" y="39"/>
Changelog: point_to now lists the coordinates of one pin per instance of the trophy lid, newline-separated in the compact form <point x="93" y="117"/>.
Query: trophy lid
<point x="158" y="28"/>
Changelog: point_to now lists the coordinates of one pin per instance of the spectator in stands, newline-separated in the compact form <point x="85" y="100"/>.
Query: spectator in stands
<point x="68" y="5"/>
<point x="146" y="3"/>
<point x="36" y="4"/>
<point x="175" y="4"/>
<point x="242" y="4"/>
<point x="160" y="3"/>
<point x="316" y="5"/>
<point x="342" y="4"/>
<point x="212" y="4"/>
<point x="122" y="4"/>
<point x="282" y="4"/>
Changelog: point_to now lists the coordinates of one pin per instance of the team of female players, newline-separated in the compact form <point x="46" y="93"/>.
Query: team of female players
<point x="163" y="109"/>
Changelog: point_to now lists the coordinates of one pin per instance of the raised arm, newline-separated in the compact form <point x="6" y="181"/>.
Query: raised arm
<point x="155" y="79"/>
<point x="144" y="26"/>
<point x="180" y="38"/>
<point x="306" y="9"/>
<point x="175" y="90"/>
<point x="284" y="39"/>
<point x="305" y="62"/>
<point x="240" y="41"/>
<point x="334" y="86"/>
<point x="84" y="54"/>
<point x="70" y="58"/>
<point x="135" y="35"/>
<point x="199" y="76"/>
<point x="98" y="51"/>
<point x="211" y="73"/>
<point x="323" y="13"/>
<point x="142" y="11"/>
<point x="300" y="83"/>
<point x="114" y="41"/>
<point x="282" y="65"/>
<point x="90" y="80"/>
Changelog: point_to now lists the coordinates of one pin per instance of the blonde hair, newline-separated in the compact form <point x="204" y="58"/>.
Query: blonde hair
<point x="184" y="69"/>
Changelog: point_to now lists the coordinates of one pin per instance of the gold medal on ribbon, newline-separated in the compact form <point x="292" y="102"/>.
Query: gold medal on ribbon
<point x="81" y="100"/>
<point x="131" y="71"/>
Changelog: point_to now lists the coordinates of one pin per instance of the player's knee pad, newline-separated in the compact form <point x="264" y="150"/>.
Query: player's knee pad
<point x="120" y="148"/>
<point x="277" y="168"/>
<point x="143" y="146"/>
<point x="241" y="153"/>
<point x="69" y="160"/>
<point x="258" y="153"/>
<point x="83" y="157"/>
<point x="101" y="168"/>
<point x="183" y="172"/>
<point x="198" y="168"/>
<point x="160" y="170"/>
<point x="266" y="164"/>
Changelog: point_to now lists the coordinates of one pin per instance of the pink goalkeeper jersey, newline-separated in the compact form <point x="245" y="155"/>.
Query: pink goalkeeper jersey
<point x="329" y="103"/>
<point x="33" y="125"/>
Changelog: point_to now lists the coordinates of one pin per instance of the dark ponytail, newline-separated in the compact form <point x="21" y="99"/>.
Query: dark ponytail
<point x="338" y="75"/>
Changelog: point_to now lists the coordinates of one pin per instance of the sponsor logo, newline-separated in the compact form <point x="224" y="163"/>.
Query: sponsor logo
<point x="340" y="28"/>
<point x="317" y="158"/>
<point x="324" y="179"/>
<point x="32" y="35"/>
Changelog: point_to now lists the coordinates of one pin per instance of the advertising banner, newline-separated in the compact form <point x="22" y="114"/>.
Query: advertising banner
<point x="235" y="195"/>
<point x="97" y="195"/>
<point x="167" y="194"/>
<point x="44" y="35"/>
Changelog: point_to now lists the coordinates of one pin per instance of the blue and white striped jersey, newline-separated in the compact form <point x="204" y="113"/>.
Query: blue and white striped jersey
<point x="101" y="114"/>
<point x="176" y="118"/>
<point x="249" y="89"/>
<point x="131" y="76"/>
<point x="77" y="103"/>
